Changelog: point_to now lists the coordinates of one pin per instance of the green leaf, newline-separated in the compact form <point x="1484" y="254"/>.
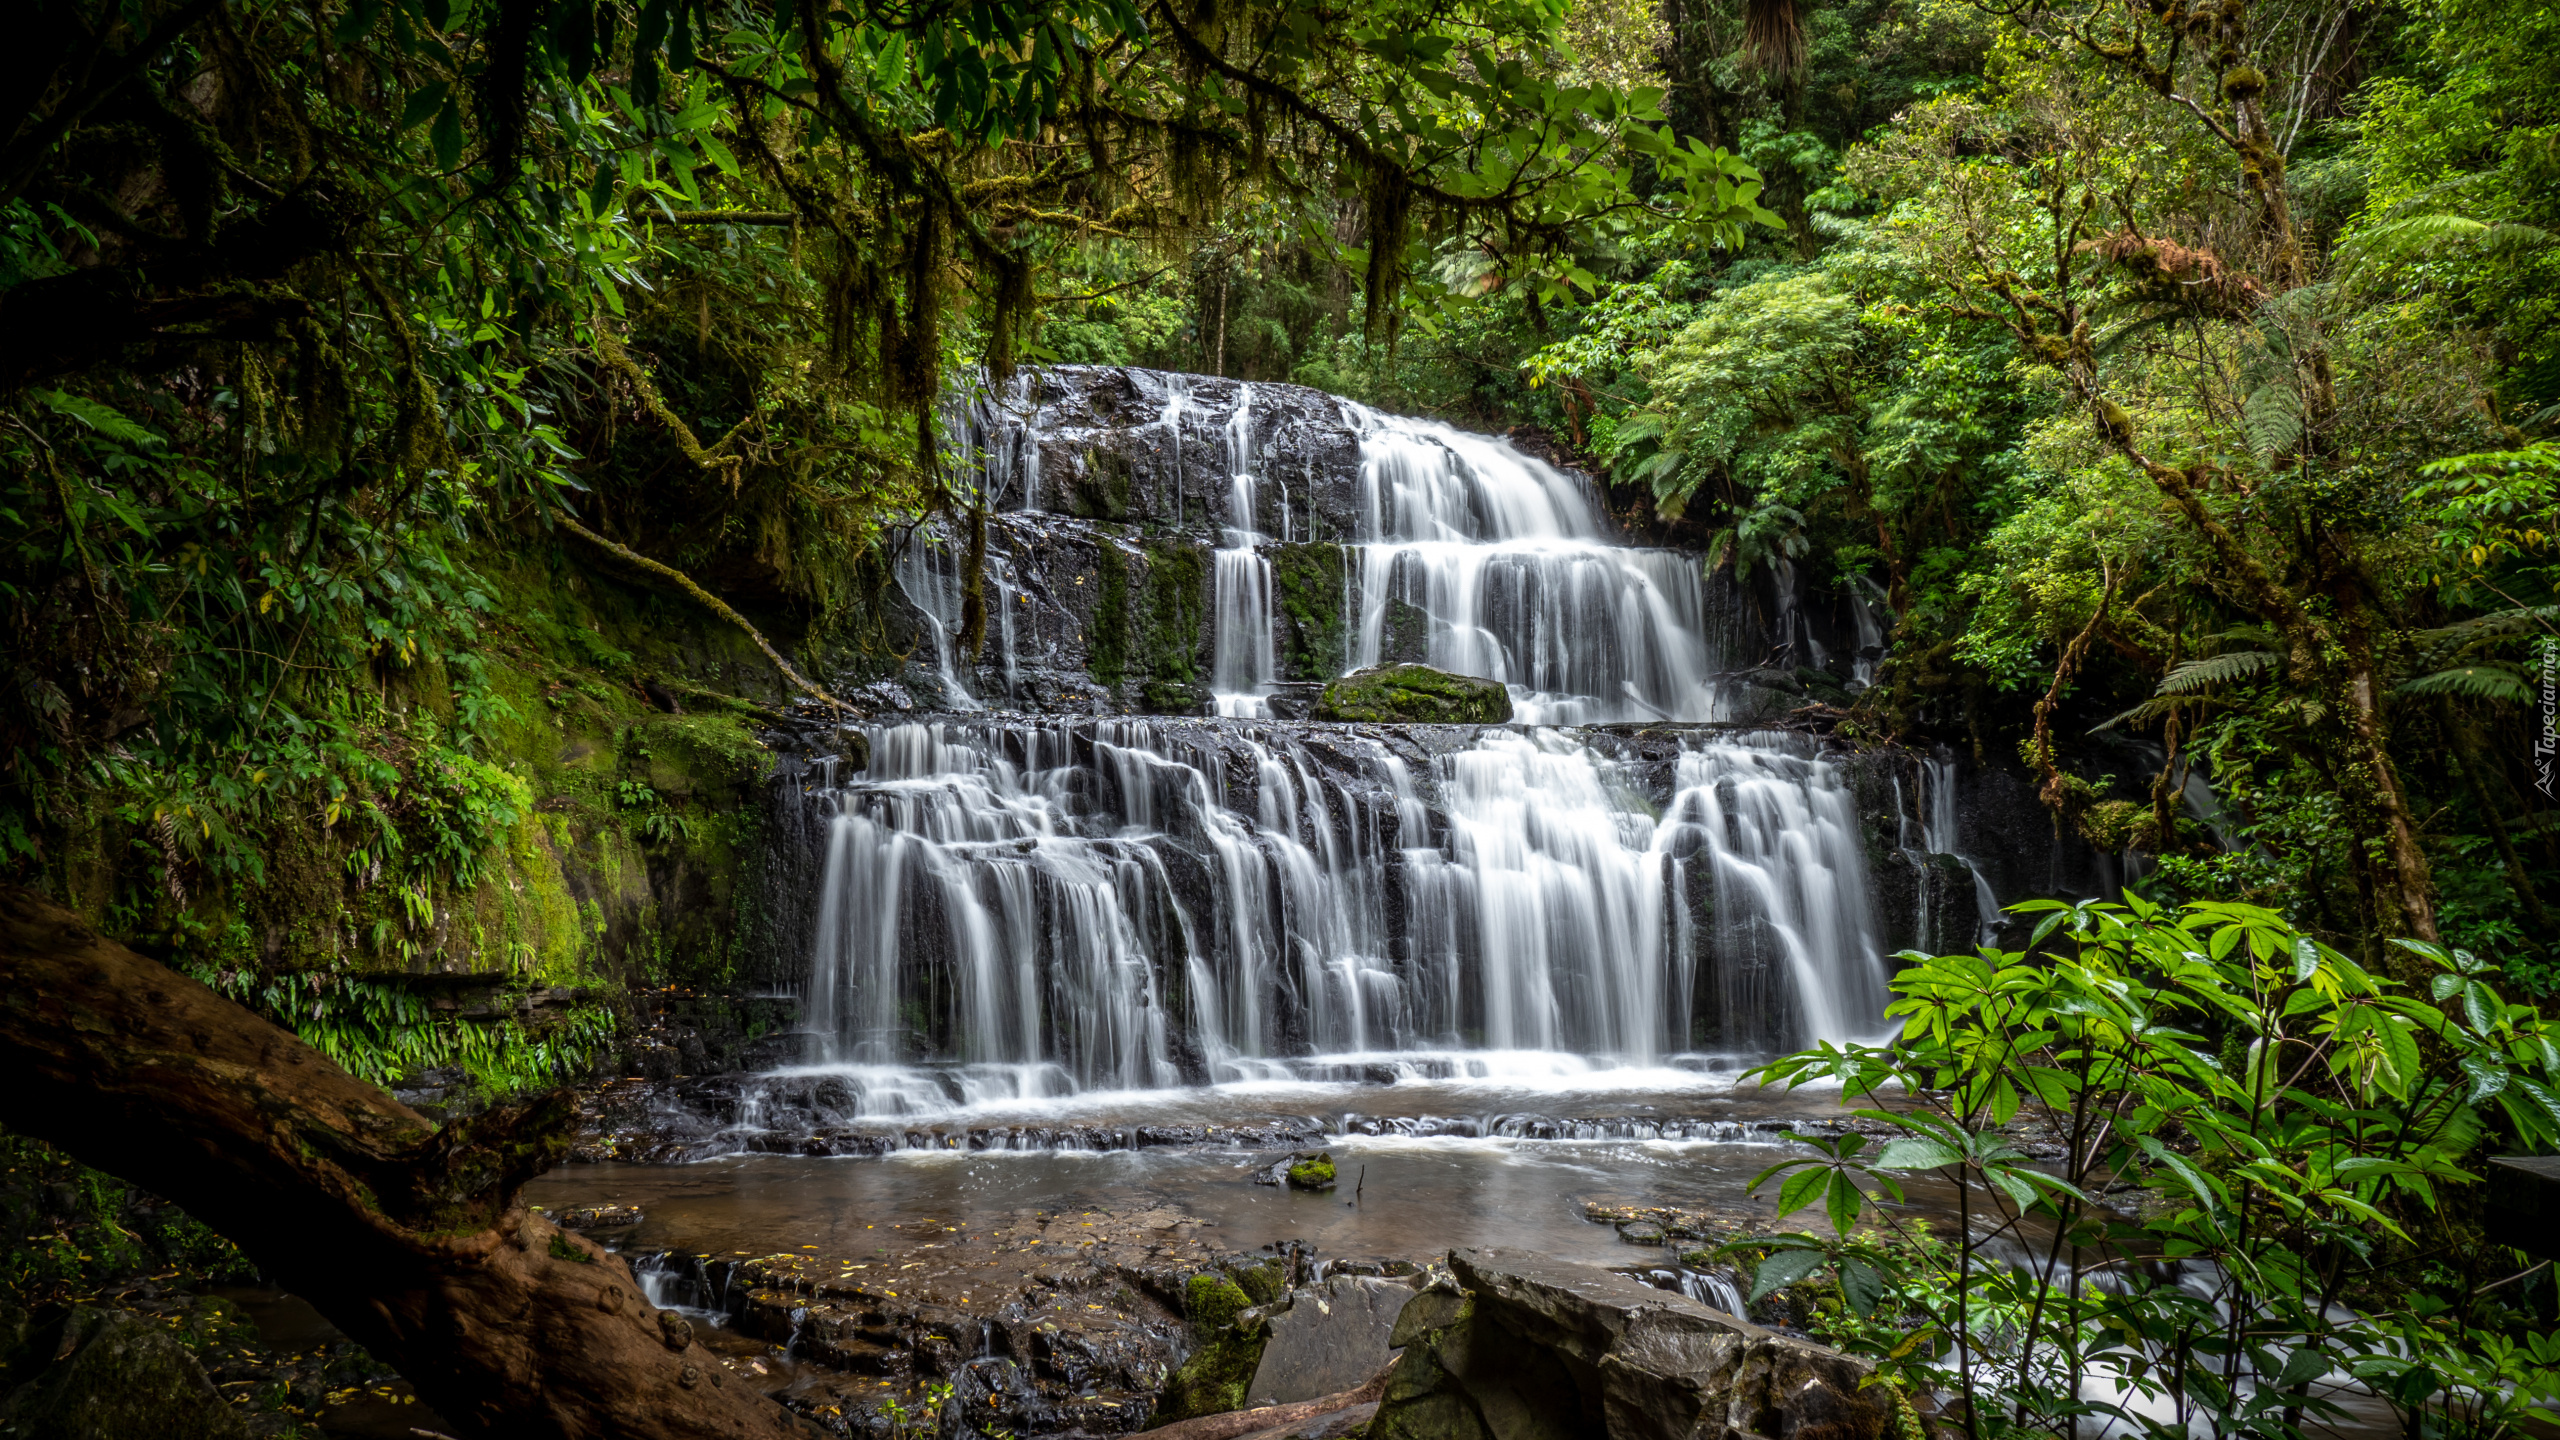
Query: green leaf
<point x="1802" y="1189"/>
<point x="1917" y="1152"/>
<point x="1841" y="1202"/>
<point x="1862" y="1285"/>
<point x="446" y="135"/>
<point x="1784" y="1269"/>
<point x="424" y="102"/>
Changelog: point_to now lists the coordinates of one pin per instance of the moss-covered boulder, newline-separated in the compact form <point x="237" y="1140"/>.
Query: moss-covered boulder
<point x="1414" y="695"/>
<point x="1315" y="1172"/>
<point x="1215" y="1378"/>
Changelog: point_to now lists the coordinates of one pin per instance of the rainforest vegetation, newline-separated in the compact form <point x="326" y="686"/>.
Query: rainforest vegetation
<point x="438" y="436"/>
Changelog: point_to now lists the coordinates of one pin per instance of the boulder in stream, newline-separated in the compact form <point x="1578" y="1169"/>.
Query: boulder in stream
<point x="1414" y="695"/>
<point x="1518" y="1345"/>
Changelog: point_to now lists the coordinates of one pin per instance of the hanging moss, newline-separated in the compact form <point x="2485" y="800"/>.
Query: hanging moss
<point x="1179" y="580"/>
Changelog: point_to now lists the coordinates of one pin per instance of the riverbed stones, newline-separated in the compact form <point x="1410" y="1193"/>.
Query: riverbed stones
<point x="1331" y="1337"/>
<point x="1519" y="1347"/>
<point x="1414" y="695"/>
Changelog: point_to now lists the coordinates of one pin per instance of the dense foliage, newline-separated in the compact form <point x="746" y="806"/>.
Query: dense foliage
<point x="2181" y="382"/>
<point x="2198" y="1163"/>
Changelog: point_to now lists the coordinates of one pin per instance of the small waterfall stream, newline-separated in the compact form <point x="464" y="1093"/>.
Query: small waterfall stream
<point x="1509" y="564"/>
<point x="1243" y="672"/>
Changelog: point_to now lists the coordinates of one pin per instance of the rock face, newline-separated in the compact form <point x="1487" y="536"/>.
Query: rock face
<point x="1414" y="695"/>
<point x="1513" y="1347"/>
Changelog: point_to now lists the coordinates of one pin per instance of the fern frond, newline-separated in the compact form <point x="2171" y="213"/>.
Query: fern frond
<point x="2216" y="670"/>
<point x="2417" y="237"/>
<point x="2120" y="338"/>
<point x="2474" y="682"/>
<point x="2272" y="418"/>
<point x="2151" y="709"/>
<point x="2521" y="620"/>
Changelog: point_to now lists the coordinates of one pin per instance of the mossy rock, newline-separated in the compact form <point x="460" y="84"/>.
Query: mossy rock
<point x="120" y="1374"/>
<point x="1103" y="491"/>
<point x="1213" y="1301"/>
<point x="2119" y="825"/>
<point x="1313" y="1173"/>
<point x="1265" y="1282"/>
<point x="1213" y="1381"/>
<point x="1215" y="1378"/>
<point x="1414" y="695"/>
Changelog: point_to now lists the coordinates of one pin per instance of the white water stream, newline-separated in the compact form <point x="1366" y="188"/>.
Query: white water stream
<point x="1510" y="564"/>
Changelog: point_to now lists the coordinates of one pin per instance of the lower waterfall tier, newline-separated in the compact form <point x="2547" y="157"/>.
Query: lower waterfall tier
<point x="1033" y="908"/>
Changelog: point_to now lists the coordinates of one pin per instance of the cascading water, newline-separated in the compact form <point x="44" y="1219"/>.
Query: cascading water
<point x="1508" y="562"/>
<point x="1781" y="836"/>
<point x="1018" y="909"/>
<point x="1243" y="671"/>
<point x="1938" y="834"/>
<point x="930" y="580"/>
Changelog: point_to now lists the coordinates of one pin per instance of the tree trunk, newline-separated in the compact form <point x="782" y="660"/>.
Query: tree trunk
<point x="409" y="1238"/>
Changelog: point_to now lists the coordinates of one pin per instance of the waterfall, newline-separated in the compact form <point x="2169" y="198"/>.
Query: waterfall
<point x="1791" y="900"/>
<point x="1017" y="908"/>
<point x="1938" y="837"/>
<point x="1509" y="563"/>
<point x="1242" y="670"/>
<point x="1553" y="884"/>
<point x="1012" y="907"/>
<point x="929" y="577"/>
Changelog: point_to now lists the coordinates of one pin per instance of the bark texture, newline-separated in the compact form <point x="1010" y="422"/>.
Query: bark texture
<point x="409" y="1238"/>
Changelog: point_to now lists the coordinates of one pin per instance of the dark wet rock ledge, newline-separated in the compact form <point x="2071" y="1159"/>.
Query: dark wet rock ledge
<point x="1509" y="1344"/>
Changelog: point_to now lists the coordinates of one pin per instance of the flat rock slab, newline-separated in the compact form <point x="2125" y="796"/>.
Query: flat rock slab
<point x="1332" y="1338"/>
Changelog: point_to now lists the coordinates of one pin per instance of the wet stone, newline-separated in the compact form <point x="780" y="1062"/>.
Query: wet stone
<point x="1331" y="1337"/>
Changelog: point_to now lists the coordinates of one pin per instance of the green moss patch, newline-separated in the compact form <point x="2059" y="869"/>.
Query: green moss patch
<point x="1414" y="695"/>
<point x="1309" y="582"/>
<point x="1313" y="1173"/>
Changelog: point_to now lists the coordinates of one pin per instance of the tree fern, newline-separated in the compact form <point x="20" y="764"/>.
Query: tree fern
<point x="2215" y="670"/>
<point x="2419" y="237"/>
<point x="2497" y="624"/>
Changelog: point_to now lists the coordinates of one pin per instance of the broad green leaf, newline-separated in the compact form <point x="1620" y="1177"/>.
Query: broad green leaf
<point x="1784" y="1269"/>
<point x="1915" y="1152"/>
<point x="1802" y="1189"/>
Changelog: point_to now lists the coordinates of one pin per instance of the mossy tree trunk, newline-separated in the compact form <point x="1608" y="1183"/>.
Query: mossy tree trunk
<point x="410" y="1238"/>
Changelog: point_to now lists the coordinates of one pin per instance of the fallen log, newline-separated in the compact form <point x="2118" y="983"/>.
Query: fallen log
<point x="407" y="1237"/>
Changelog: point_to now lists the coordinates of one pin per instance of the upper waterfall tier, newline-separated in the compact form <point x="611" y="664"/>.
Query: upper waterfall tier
<point x="1227" y="539"/>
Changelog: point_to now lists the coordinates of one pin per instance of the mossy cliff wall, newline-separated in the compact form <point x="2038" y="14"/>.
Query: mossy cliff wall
<point x="559" y="814"/>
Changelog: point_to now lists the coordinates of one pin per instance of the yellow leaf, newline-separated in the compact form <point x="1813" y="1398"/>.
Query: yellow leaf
<point x="266" y="602"/>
